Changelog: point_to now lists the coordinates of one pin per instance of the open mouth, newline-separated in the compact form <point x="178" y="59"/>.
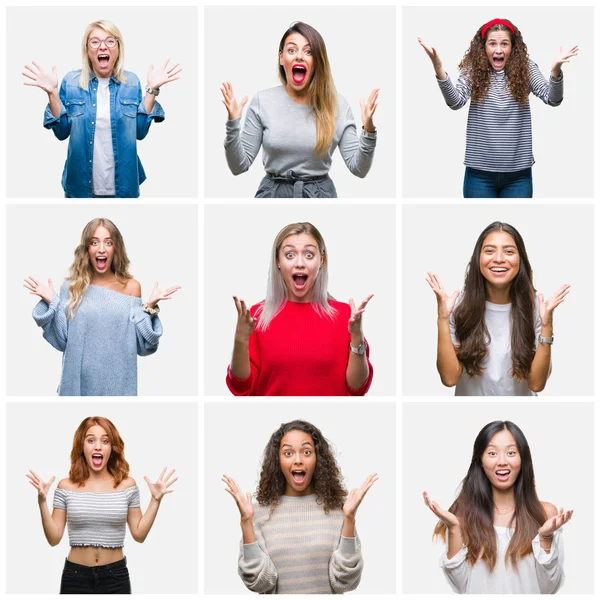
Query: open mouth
<point x="498" y="61"/>
<point x="499" y="270"/>
<point x="103" y="60"/>
<point x="503" y="474"/>
<point x="298" y="73"/>
<point x="97" y="459"/>
<point x="299" y="477"/>
<point x="101" y="262"/>
<point x="300" y="281"/>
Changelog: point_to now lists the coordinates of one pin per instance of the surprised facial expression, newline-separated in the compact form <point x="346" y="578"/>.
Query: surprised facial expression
<point x="96" y="448"/>
<point x="501" y="460"/>
<point x="498" y="47"/>
<point x="101" y="251"/>
<point x="103" y="58"/>
<point x="299" y="260"/>
<point x="499" y="259"/>
<point x="298" y="460"/>
<point x="297" y="61"/>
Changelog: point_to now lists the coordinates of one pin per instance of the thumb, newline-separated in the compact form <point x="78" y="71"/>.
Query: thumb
<point x="541" y="298"/>
<point x="249" y="497"/>
<point x="51" y="480"/>
<point x="244" y="101"/>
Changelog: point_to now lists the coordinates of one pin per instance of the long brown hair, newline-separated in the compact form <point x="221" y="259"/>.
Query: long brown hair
<point x="478" y="70"/>
<point x="327" y="478"/>
<point x="322" y="95"/>
<point x="474" y="506"/>
<point x="117" y="466"/>
<point x="81" y="272"/>
<point x="469" y="315"/>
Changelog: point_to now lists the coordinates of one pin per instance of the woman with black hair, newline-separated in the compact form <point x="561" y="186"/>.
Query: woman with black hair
<point x="495" y="339"/>
<point x="500" y="538"/>
<point x="299" y="537"/>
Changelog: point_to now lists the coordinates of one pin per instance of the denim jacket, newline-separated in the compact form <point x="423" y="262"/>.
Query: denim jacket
<point x="129" y="121"/>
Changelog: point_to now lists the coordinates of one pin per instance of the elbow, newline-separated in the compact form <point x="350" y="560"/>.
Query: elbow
<point x="536" y="386"/>
<point x="449" y="381"/>
<point x="140" y="539"/>
<point x="360" y="174"/>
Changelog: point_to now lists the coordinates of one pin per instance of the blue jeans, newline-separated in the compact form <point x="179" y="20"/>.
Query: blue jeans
<point x="106" y="579"/>
<point x="489" y="184"/>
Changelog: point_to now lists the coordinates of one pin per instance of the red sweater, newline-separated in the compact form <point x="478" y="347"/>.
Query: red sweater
<point x="300" y="354"/>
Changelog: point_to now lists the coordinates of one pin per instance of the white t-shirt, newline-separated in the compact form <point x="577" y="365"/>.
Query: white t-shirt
<point x="496" y="380"/>
<point x="103" y="171"/>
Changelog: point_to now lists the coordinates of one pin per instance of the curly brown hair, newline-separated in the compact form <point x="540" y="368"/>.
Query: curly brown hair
<point x="478" y="70"/>
<point x="327" y="478"/>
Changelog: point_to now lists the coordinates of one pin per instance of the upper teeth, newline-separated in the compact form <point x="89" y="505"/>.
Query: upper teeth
<point x="499" y="269"/>
<point x="503" y="472"/>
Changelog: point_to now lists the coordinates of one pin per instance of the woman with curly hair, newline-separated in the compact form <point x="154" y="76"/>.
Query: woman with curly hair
<point x="100" y="108"/>
<point x="98" y="319"/>
<point x="500" y="538"/>
<point x="95" y="502"/>
<point x="299" y="124"/>
<point x="495" y="339"/>
<point x="299" y="536"/>
<point x="299" y="341"/>
<point x="497" y="76"/>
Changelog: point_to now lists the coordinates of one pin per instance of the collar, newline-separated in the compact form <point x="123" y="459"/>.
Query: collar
<point x="112" y="78"/>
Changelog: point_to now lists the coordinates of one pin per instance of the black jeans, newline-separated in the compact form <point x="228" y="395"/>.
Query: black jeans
<point x="106" y="579"/>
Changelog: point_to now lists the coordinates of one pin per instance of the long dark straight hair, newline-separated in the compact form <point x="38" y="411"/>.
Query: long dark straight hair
<point x="469" y="315"/>
<point x="474" y="506"/>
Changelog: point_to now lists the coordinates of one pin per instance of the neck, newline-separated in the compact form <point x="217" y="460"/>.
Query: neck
<point x="98" y="476"/>
<point x="298" y="96"/>
<point x="503" y="499"/>
<point x="497" y="295"/>
<point x="290" y="491"/>
<point x="103" y="279"/>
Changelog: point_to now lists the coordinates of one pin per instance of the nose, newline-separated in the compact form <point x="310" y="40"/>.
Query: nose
<point x="298" y="460"/>
<point x="300" y="261"/>
<point x="499" y="257"/>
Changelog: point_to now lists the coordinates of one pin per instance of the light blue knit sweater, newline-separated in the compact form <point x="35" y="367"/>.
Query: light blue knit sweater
<point x="100" y="344"/>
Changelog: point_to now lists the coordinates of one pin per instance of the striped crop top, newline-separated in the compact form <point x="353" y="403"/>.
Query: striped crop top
<point x="97" y="518"/>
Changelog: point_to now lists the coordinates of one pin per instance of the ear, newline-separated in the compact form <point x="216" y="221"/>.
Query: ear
<point x="281" y="59"/>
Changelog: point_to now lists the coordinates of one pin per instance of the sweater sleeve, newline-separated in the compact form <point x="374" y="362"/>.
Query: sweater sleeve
<point x="357" y="150"/>
<point x="241" y="147"/>
<point x="346" y="565"/>
<point x="456" y="96"/>
<point x="549" y="92"/>
<point x="148" y="330"/>
<point x="52" y="319"/>
<point x="364" y="388"/>
<point x="549" y="567"/>
<point x="60" y="125"/>
<point x="255" y="566"/>
<point x="457" y="570"/>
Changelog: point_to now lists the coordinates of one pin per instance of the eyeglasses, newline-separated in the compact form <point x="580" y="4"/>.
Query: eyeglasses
<point x="95" y="43"/>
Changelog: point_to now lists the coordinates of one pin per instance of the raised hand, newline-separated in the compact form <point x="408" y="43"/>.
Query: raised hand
<point x="355" y="321"/>
<point x="546" y="307"/>
<point x="449" y="519"/>
<point x="436" y="61"/>
<point x="554" y="523"/>
<point x="245" y="323"/>
<point x="46" y="81"/>
<point x="234" y="108"/>
<point x="163" y="74"/>
<point x="562" y="58"/>
<point x="243" y="501"/>
<point x="157" y="295"/>
<point x="355" y="497"/>
<point x="43" y="487"/>
<point x="445" y="303"/>
<point x="45" y="292"/>
<point x="368" y="108"/>
<point x="161" y="486"/>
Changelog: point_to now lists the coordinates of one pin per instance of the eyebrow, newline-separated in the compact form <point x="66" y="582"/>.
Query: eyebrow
<point x="106" y="238"/>
<point x="302" y="444"/>
<point x="294" y="247"/>
<point x="504" y="246"/>
<point x="509" y="446"/>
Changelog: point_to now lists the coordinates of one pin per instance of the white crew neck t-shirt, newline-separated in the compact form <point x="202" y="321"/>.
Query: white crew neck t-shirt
<point x="496" y="379"/>
<point x="103" y="171"/>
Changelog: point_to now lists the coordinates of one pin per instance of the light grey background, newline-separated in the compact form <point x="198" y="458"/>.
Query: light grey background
<point x="363" y="437"/>
<point x="241" y="46"/>
<point x="559" y="241"/>
<point x="437" y="453"/>
<point x="434" y="136"/>
<point x="52" y="37"/>
<point x="161" y="242"/>
<point x="155" y="435"/>
<point x="361" y="249"/>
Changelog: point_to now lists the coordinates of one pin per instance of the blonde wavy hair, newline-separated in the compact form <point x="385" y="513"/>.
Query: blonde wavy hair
<point x="322" y="95"/>
<point x="86" y="70"/>
<point x="81" y="272"/>
<point x="276" y="289"/>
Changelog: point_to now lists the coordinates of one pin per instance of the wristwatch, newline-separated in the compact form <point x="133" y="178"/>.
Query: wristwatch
<point x="362" y="348"/>
<point x="545" y="340"/>
<point x="152" y="91"/>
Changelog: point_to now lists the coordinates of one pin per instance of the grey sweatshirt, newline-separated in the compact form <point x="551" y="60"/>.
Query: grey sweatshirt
<point x="288" y="135"/>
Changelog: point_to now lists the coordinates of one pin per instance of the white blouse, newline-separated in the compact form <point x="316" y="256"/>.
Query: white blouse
<point x="537" y="573"/>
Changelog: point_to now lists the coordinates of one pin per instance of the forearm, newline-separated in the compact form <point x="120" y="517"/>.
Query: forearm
<point x="248" y="535"/>
<point x="145" y="523"/>
<point x="149" y="100"/>
<point x="440" y="72"/>
<point x="240" y="359"/>
<point x="448" y="365"/>
<point x="349" y="527"/>
<point x="540" y="366"/>
<point x="54" y="102"/>
<point x="51" y="531"/>
<point x="455" y="541"/>
<point x="357" y="370"/>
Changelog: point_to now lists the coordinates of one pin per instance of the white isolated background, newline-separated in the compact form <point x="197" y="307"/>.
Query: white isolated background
<point x="559" y="243"/>
<point x="155" y="435"/>
<point x="363" y="436"/>
<point x="52" y="37"/>
<point x="162" y="246"/>
<point x="361" y="251"/>
<point x="241" y="46"/>
<point x="434" y="136"/>
<point x="560" y="437"/>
